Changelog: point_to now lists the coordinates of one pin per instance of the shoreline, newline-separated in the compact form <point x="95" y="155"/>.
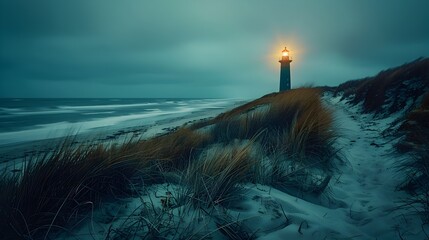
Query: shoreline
<point x="12" y="154"/>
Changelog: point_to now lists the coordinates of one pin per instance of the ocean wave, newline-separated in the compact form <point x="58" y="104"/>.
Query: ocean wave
<point x="10" y="110"/>
<point x="98" y="113"/>
<point x="42" y="112"/>
<point x="110" y="106"/>
<point x="64" y="128"/>
<point x="84" y="122"/>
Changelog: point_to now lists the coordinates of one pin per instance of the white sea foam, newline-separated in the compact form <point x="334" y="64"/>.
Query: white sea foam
<point x="64" y="128"/>
<point x="110" y="106"/>
<point x="42" y="112"/>
<point x="10" y="110"/>
<point x="98" y="113"/>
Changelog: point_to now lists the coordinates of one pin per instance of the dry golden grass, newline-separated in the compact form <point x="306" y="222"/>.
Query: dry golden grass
<point x="309" y="126"/>
<point x="174" y="150"/>
<point x="58" y="189"/>
<point x="213" y="179"/>
<point x="295" y="130"/>
<point x="299" y="115"/>
<point x="267" y="99"/>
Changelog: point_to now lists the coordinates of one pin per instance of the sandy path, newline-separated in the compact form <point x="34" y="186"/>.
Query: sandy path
<point x="368" y="181"/>
<point x="361" y="201"/>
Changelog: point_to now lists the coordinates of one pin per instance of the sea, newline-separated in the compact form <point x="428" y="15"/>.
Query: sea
<point x="24" y="119"/>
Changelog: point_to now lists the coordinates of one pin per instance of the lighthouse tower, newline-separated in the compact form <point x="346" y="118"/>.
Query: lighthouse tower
<point x="285" y="71"/>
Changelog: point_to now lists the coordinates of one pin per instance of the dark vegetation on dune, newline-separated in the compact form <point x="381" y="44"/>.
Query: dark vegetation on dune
<point x="60" y="187"/>
<point x="283" y="140"/>
<point x="403" y="88"/>
<point x="416" y="127"/>
<point x="390" y="90"/>
<point x="415" y="141"/>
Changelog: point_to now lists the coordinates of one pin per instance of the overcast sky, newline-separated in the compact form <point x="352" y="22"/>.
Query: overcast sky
<point x="215" y="48"/>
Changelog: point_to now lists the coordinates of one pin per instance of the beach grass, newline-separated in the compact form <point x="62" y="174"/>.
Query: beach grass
<point x="58" y="188"/>
<point x="175" y="150"/>
<point x="374" y="92"/>
<point x="282" y="139"/>
<point x="215" y="178"/>
<point x="416" y="167"/>
<point x="417" y="176"/>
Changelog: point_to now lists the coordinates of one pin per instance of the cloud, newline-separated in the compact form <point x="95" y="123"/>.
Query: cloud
<point x="193" y="45"/>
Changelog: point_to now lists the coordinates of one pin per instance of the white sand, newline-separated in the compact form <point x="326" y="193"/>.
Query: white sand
<point x="366" y="185"/>
<point x="361" y="201"/>
<point x="363" y="197"/>
<point x="364" y="193"/>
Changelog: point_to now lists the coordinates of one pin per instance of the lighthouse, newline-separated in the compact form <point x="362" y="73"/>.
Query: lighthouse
<point x="285" y="71"/>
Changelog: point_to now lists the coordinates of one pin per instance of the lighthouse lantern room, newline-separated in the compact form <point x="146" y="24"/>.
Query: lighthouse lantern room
<point x="285" y="71"/>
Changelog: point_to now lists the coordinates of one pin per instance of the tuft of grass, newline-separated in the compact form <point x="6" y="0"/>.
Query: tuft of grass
<point x="305" y="124"/>
<point x="215" y="178"/>
<point x="58" y="188"/>
<point x="152" y="221"/>
<point x="295" y="130"/>
<point x="8" y="186"/>
<point x="233" y="229"/>
<point x="242" y="127"/>
<point x="417" y="172"/>
<point x="174" y="151"/>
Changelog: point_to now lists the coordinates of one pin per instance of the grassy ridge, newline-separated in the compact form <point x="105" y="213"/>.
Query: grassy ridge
<point x="284" y="140"/>
<point x="416" y="142"/>
<point x="389" y="90"/>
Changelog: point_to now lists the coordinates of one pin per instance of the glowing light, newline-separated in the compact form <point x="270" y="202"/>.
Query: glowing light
<point x="275" y="47"/>
<point x="285" y="53"/>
